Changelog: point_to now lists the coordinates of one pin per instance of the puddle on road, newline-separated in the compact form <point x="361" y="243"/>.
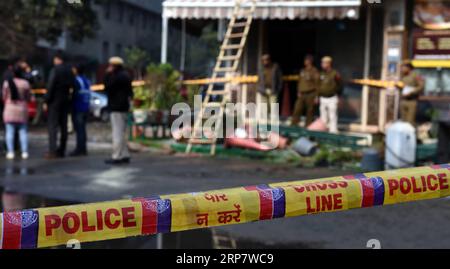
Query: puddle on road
<point x="197" y="239"/>
<point x="20" y="168"/>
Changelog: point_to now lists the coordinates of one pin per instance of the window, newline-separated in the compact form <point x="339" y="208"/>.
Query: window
<point x="437" y="81"/>
<point x="121" y="12"/>
<point x="119" y="49"/>
<point x="105" y="51"/>
<point x="131" y="17"/>
<point x="107" y="10"/>
<point x="144" y="20"/>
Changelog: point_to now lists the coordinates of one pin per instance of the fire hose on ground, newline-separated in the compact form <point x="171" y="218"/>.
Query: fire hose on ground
<point x="49" y="227"/>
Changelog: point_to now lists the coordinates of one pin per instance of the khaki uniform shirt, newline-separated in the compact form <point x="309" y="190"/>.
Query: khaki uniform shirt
<point x="309" y="80"/>
<point x="413" y="83"/>
<point x="330" y="83"/>
<point x="268" y="77"/>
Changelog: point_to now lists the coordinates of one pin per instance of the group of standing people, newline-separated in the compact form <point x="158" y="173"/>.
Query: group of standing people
<point x="68" y="92"/>
<point x="314" y="87"/>
<point x="325" y="86"/>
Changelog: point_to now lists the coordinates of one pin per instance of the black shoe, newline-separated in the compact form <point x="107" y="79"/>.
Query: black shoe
<point x="126" y="160"/>
<point x="113" y="162"/>
<point x="60" y="154"/>
<point x="78" y="154"/>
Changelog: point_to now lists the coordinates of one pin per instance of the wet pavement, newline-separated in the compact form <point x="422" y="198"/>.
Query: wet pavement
<point x="39" y="183"/>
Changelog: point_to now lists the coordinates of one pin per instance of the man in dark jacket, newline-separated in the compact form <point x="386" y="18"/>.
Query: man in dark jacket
<point x="118" y="87"/>
<point x="60" y="83"/>
<point x="270" y="84"/>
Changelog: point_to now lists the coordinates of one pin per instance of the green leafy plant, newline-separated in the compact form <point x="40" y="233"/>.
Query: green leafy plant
<point x="137" y="59"/>
<point x="163" y="81"/>
<point x="142" y="98"/>
<point x="333" y="156"/>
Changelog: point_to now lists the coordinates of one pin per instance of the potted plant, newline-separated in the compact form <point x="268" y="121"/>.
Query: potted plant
<point x="163" y="82"/>
<point x="141" y="104"/>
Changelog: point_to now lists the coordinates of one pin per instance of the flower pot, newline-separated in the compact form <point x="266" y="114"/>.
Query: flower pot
<point x="165" y="116"/>
<point x="140" y="116"/>
<point x="152" y="117"/>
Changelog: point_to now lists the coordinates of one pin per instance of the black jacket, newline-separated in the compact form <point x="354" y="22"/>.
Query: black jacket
<point x="277" y="80"/>
<point x="60" y="81"/>
<point x="6" y="75"/>
<point x="118" y="87"/>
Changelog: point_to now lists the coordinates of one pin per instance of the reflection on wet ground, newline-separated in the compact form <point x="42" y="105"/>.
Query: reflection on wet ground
<point x="20" y="168"/>
<point x="86" y="180"/>
<point x="22" y="171"/>
<point x="197" y="239"/>
<point x="19" y="176"/>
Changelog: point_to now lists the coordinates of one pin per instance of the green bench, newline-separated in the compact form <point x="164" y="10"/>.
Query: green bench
<point x="222" y="151"/>
<point x="426" y="152"/>
<point x="338" y="140"/>
<point x="147" y="124"/>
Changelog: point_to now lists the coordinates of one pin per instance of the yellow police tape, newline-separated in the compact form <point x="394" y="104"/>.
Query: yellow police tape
<point x="47" y="227"/>
<point x="246" y="80"/>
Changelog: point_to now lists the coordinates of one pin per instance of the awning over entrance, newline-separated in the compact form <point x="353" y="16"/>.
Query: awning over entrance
<point x="266" y="9"/>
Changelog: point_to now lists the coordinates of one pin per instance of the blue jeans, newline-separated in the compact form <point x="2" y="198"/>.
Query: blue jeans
<point x="79" y="120"/>
<point x="23" y="135"/>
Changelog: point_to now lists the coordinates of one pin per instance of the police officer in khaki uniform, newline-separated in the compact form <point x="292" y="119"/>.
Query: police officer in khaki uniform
<point x="413" y="87"/>
<point x="330" y="87"/>
<point x="307" y="92"/>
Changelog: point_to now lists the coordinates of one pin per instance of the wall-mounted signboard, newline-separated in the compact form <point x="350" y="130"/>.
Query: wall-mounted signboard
<point x="432" y="14"/>
<point x="431" y="45"/>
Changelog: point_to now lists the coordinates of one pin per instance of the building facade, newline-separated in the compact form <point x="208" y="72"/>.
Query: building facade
<point x="367" y="39"/>
<point x="288" y="30"/>
<point x="122" y="24"/>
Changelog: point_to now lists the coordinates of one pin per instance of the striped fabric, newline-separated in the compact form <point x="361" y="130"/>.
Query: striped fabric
<point x="47" y="227"/>
<point x="156" y="215"/>
<point x="272" y="202"/>
<point x="266" y="9"/>
<point x="372" y="190"/>
<point x="19" y="230"/>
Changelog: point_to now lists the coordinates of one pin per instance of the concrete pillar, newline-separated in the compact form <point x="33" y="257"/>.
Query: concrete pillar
<point x="183" y="46"/>
<point x="164" y="38"/>
<point x="365" y="94"/>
